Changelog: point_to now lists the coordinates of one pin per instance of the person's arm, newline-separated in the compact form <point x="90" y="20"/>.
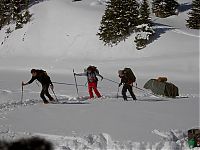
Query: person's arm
<point x="49" y="80"/>
<point x="81" y="74"/>
<point x="51" y="84"/>
<point x="120" y="82"/>
<point x="29" y="82"/>
<point x="97" y="74"/>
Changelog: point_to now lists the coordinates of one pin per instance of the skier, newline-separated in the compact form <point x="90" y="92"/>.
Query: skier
<point x="45" y="80"/>
<point x="127" y="79"/>
<point x="92" y="73"/>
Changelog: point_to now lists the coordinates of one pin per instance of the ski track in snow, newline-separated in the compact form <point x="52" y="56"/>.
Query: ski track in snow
<point x="171" y="140"/>
<point x="184" y="33"/>
<point x="65" y="99"/>
<point x="177" y="31"/>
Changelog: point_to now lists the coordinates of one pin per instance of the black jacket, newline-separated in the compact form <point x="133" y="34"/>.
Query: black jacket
<point x="42" y="77"/>
<point x="124" y="80"/>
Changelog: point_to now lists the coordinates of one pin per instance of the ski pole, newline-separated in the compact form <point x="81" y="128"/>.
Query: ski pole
<point x="54" y="94"/>
<point x="22" y="93"/>
<point x="111" y="80"/>
<point x="145" y="91"/>
<point x="118" y="92"/>
<point x="133" y="86"/>
<point x="75" y="83"/>
<point x="66" y="83"/>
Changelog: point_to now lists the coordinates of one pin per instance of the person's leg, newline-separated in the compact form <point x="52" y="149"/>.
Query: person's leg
<point x="47" y="92"/>
<point x="124" y="90"/>
<point x="90" y="90"/>
<point x="96" y="90"/>
<point x="130" y="89"/>
<point x="42" y="95"/>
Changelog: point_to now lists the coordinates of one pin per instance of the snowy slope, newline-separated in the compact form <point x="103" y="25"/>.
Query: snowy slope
<point x="62" y="36"/>
<point x="62" y="32"/>
<point x="66" y="29"/>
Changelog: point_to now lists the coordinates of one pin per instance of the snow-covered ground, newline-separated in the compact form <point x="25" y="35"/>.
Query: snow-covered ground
<point x="62" y="36"/>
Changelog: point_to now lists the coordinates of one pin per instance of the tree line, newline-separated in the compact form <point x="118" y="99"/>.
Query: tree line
<point x="124" y="17"/>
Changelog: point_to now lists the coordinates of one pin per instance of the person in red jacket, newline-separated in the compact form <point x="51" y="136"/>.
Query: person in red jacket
<point x="45" y="80"/>
<point x="91" y="74"/>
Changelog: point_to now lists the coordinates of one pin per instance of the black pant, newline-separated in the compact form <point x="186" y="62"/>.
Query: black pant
<point x="130" y="89"/>
<point x="45" y="91"/>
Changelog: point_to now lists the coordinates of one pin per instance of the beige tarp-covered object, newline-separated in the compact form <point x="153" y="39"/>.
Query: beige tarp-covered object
<point x="162" y="88"/>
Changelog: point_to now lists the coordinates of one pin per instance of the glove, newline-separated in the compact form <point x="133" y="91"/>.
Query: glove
<point x="23" y="83"/>
<point x="75" y="74"/>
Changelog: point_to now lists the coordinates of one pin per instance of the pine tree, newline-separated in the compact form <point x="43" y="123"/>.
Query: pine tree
<point x="144" y="31"/>
<point x="194" y="18"/>
<point x="21" y="13"/>
<point x="5" y="12"/>
<point x="119" y="20"/>
<point x="144" y="34"/>
<point x="14" y="10"/>
<point x="144" y="12"/>
<point x="17" y="13"/>
<point x="164" y="8"/>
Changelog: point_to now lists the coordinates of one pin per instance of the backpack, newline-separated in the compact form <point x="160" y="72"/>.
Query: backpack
<point x="42" y="73"/>
<point x="93" y="69"/>
<point x="129" y="74"/>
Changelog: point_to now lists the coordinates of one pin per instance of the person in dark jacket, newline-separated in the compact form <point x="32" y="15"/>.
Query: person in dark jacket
<point x="91" y="73"/>
<point x="127" y="85"/>
<point x="45" y="80"/>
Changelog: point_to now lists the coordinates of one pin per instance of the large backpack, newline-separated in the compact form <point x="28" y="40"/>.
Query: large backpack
<point x="93" y="69"/>
<point x="42" y="72"/>
<point x="129" y="74"/>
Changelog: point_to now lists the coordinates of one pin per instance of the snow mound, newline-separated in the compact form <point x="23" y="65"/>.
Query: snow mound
<point x="4" y="92"/>
<point x="171" y="140"/>
<point x="4" y="107"/>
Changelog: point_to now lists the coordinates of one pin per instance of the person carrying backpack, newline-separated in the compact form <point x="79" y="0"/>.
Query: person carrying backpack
<point x="127" y="79"/>
<point x="91" y="72"/>
<point x="45" y="80"/>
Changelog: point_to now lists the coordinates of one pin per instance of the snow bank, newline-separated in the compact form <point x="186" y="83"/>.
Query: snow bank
<point x="171" y="140"/>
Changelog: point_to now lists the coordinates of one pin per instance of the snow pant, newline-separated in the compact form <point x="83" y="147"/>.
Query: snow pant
<point x="130" y="89"/>
<point x="93" y="86"/>
<point x="45" y="91"/>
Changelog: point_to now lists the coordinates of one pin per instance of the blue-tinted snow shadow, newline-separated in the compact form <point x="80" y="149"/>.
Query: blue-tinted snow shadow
<point x="33" y="2"/>
<point x="159" y="29"/>
<point x="184" y="7"/>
